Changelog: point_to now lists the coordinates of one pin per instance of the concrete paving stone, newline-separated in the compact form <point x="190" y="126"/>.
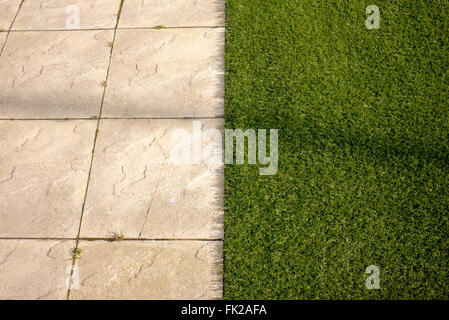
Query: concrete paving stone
<point x="60" y="14"/>
<point x="44" y="167"/>
<point x="172" y="13"/>
<point x="166" y="73"/>
<point x="136" y="188"/>
<point x="34" y="269"/>
<point x="8" y="10"/>
<point x="149" y="270"/>
<point x="53" y="74"/>
<point x="2" y="39"/>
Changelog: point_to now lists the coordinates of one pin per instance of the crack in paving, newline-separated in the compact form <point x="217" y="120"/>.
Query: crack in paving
<point x="151" y="202"/>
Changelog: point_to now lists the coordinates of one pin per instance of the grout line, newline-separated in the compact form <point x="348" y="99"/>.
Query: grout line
<point x="107" y="118"/>
<point x="46" y="119"/>
<point x="121" y="28"/>
<point x="164" y="27"/>
<point x="10" y="27"/>
<point x="60" y="30"/>
<point x="93" y="148"/>
<point x="112" y="239"/>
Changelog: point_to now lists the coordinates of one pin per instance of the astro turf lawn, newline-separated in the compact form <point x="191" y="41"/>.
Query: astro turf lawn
<point x="363" y="120"/>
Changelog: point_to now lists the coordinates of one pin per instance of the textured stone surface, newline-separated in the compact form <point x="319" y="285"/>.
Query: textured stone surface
<point x="53" y="74"/>
<point x="2" y="39"/>
<point x="43" y="174"/>
<point x="8" y="10"/>
<point x="34" y="269"/>
<point x="166" y="73"/>
<point x="136" y="188"/>
<point x="52" y="14"/>
<point x="149" y="270"/>
<point x="172" y="13"/>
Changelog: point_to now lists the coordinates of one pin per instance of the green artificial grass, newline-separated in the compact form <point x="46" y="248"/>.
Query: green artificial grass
<point x="363" y="120"/>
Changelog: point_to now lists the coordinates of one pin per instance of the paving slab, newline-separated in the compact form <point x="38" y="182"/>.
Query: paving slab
<point x="172" y="13"/>
<point x="44" y="167"/>
<point x="34" y="269"/>
<point x="61" y="14"/>
<point x="2" y="39"/>
<point x="53" y="74"/>
<point x="166" y="73"/>
<point x="8" y="10"/>
<point x="149" y="270"/>
<point x="139" y="188"/>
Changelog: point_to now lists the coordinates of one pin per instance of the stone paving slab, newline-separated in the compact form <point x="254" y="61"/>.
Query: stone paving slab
<point x="53" y="74"/>
<point x="172" y="13"/>
<point x="149" y="270"/>
<point x="34" y="269"/>
<point x="52" y="14"/>
<point x="166" y="73"/>
<point x="44" y="167"/>
<point x="8" y="10"/>
<point x="138" y="188"/>
<point x="2" y="39"/>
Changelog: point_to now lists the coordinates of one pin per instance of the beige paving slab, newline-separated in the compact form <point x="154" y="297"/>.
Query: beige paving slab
<point x="61" y="14"/>
<point x="2" y="39"/>
<point x="53" y="74"/>
<point x="43" y="175"/>
<point x="34" y="269"/>
<point x="166" y="73"/>
<point x="8" y="10"/>
<point x="149" y="270"/>
<point x="172" y="13"/>
<point x="138" y="187"/>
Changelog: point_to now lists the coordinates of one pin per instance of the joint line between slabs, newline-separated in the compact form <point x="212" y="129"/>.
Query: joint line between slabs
<point x="112" y="239"/>
<point x="108" y="118"/>
<point x="93" y="149"/>
<point x="121" y="28"/>
<point x="10" y="27"/>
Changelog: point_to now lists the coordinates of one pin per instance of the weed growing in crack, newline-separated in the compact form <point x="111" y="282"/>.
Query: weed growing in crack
<point x="76" y="253"/>
<point x="115" y="236"/>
